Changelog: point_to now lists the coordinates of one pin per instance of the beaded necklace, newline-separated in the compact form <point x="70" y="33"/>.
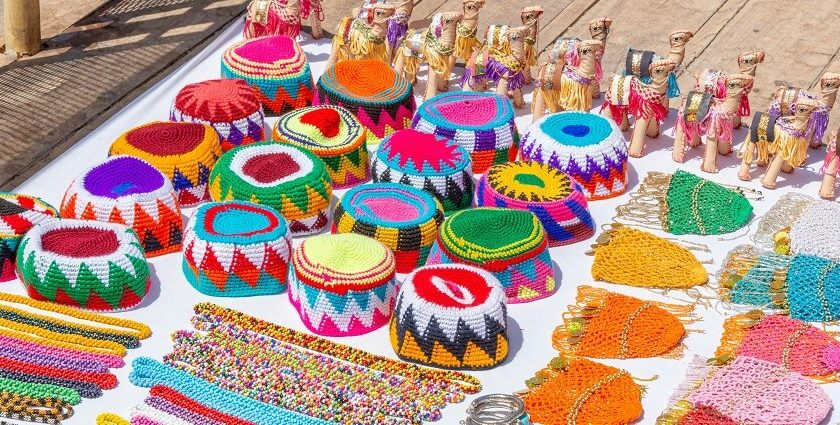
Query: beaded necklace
<point x="45" y="410"/>
<point x="39" y="390"/>
<point x="81" y="388"/>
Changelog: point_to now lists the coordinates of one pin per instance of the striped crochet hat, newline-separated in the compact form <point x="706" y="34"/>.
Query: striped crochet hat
<point x="18" y="213"/>
<point x="289" y="179"/>
<point x="276" y="67"/>
<point x="183" y="152"/>
<point x="228" y="105"/>
<point x="237" y="249"/>
<point x="369" y="88"/>
<point x="451" y="316"/>
<point x="483" y="123"/>
<point x="334" y="135"/>
<point x="127" y="190"/>
<point x="87" y="264"/>
<point x="589" y="148"/>
<point x="403" y="218"/>
<point x="556" y="199"/>
<point x="343" y="284"/>
<point x="511" y="244"/>
<point x="425" y="161"/>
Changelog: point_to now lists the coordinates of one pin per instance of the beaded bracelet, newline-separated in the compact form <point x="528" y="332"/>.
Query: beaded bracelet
<point x="185" y="402"/>
<point x="44" y="359"/>
<point x="35" y="320"/>
<point x="84" y="389"/>
<point x="160" y="408"/>
<point x="45" y="410"/>
<point x="109" y="360"/>
<point x="38" y="390"/>
<point x="43" y="336"/>
<point x="111" y="419"/>
<point x="103" y="380"/>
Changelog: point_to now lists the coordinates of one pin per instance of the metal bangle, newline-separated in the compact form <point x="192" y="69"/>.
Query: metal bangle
<point x="497" y="409"/>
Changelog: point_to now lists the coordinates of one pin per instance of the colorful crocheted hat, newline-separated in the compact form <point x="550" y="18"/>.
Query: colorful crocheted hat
<point x="556" y="199"/>
<point x="382" y="100"/>
<point x="183" y="152"/>
<point x="127" y="190"/>
<point x="511" y="244"/>
<point x="18" y="213"/>
<point x="275" y="66"/>
<point x="290" y="179"/>
<point x="483" y="123"/>
<point x="451" y="316"/>
<point x="87" y="264"/>
<point x="589" y="148"/>
<point x="775" y="227"/>
<point x="403" y="218"/>
<point x="228" y="105"/>
<point x="343" y="285"/>
<point x="334" y="135"/>
<point x="424" y="161"/>
<point x="237" y="249"/>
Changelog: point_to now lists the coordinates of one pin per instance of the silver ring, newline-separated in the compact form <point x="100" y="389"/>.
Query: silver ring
<point x="497" y="409"/>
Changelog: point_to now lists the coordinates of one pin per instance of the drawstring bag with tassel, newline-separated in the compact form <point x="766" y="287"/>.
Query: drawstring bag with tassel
<point x="800" y="224"/>
<point x="685" y="204"/>
<point x="607" y="325"/>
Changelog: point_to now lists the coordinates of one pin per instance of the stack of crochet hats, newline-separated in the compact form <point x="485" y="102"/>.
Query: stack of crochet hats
<point x="18" y="213"/>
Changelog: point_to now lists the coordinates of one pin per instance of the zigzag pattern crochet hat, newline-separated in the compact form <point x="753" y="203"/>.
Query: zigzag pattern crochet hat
<point x="18" y="213"/>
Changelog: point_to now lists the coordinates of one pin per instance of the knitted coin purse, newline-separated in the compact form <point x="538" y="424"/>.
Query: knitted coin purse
<point x="483" y="123"/>
<point x="607" y="325"/>
<point x="683" y="203"/>
<point x="237" y="249"/>
<point x="589" y="148"/>
<point x="275" y="67"/>
<point x="183" y="152"/>
<point x="382" y="100"/>
<point x="424" y="161"/>
<point x="86" y="264"/>
<point x="127" y="190"/>
<point x="343" y="285"/>
<point x="580" y="391"/>
<point x="451" y="316"/>
<point x="228" y="105"/>
<point x="18" y="213"/>
<point x="334" y="135"/>
<point x="794" y="210"/>
<point x="403" y="218"/>
<point x="747" y="391"/>
<point x="556" y="199"/>
<point x="511" y="244"/>
<point x="290" y="179"/>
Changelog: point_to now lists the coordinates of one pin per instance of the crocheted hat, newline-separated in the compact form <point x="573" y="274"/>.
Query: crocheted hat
<point x="589" y="148"/>
<point x="403" y="218"/>
<point x="127" y="190"/>
<point x="237" y="249"/>
<point x="511" y="244"/>
<point x="774" y="227"/>
<point x="18" y="213"/>
<point x="228" y="105"/>
<point x="343" y="285"/>
<point x="183" y="152"/>
<point x="451" y="316"/>
<point x="87" y="264"/>
<point x="556" y="199"/>
<point x="290" y="179"/>
<point x="382" y="100"/>
<point x="424" y="161"/>
<point x="334" y="135"/>
<point x="483" y="123"/>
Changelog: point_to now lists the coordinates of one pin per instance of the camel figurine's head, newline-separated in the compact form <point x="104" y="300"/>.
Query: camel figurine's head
<point x="472" y="7"/>
<point x="599" y="28"/>
<point x="830" y="81"/>
<point x="516" y="37"/>
<point x="680" y="38"/>
<point x="380" y="12"/>
<point x="738" y="84"/>
<point x="530" y="15"/>
<point x="804" y="108"/>
<point x="660" y="69"/>
<point x="445" y="23"/>
<point x="590" y="48"/>
<point x="748" y="60"/>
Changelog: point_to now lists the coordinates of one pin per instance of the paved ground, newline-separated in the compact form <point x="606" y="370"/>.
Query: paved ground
<point x="58" y="15"/>
<point x="53" y="99"/>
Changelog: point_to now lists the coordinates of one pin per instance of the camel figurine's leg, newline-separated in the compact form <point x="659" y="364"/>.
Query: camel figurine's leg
<point x="696" y="140"/>
<point x="518" y="100"/>
<point x="596" y="89"/>
<point x="829" y="179"/>
<point x="710" y="158"/>
<point x="678" y="155"/>
<point x="637" y="143"/>
<point x="724" y="148"/>
<point x="526" y="74"/>
<point x="315" y="25"/>
<point x="769" y="179"/>
<point x="787" y="168"/>
<point x="537" y="105"/>
<point x="399" y="64"/>
<point x="334" y="52"/>
<point x="736" y="121"/>
<point x="652" y="129"/>
<point x="744" y="170"/>
<point x="502" y="86"/>
<point x="443" y="80"/>
<point x="431" y="84"/>
<point x="389" y="52"/>
<point x="624" y="125"/>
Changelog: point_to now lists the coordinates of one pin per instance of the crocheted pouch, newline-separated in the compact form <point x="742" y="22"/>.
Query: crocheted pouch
<point x="18" y="213"/>
<point x="773" y="231"/>
<point x="607" y="325"/>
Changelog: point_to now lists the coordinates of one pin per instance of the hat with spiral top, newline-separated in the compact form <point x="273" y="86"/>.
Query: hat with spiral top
<point x="18" y="213"/>
<point x="276" y="67"/>
<point x="510" y="244"/>
<point x="228" y="105"/>
<point x="237" y="249"/>
<point x="451" y="316"/>
<point x="589" y="148"/>
<point x="382" y="100"/>
<point x="483" y="123"/>
<point x="403" y="218"/>
<point x="127" y="190"/>
<point x="555" y="198"/>
<point x="343" y="284"/>
<point x="334" y="135"/>
<point x="183" y="152"/>
<point x="290" y="179"/>
<point x="87" y="264"/>
<point x="439" y="166"/>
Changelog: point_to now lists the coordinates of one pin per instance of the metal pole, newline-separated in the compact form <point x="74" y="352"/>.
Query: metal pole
<point x="22" y="21"/>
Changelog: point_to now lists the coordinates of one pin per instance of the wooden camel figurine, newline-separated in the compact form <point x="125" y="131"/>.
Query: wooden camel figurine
<point x="785" y="99"/>
<point x="629" y="95"/>
<point x="716" y="124"/>
<point x="830" y="167"/>
<point x="530" y="17"/>
<point x="599" y="29"/>
<point x="357" y="38"/>
<point x="713" y="82"/>
<point x="564" y="87"/>
<point x="638" y="62"/>
<point x="398" y="26"/>
<point x="501" y="60"/>
<point x="282" y="17"/>
<point x="466" y="40"/>
<point x="434" y="45"/>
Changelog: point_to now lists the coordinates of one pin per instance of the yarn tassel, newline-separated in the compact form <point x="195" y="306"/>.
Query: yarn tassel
<point x="744" y="106"/>
<point x="616" y="111"/>
<point x="689" y="129"/>
<point x="599" y="70"/>
<point x="396" y="32"/>
<point x="643" y="108"/>
<point x="755" y="153"/>
<point x="673" y="86"/>
<point x="717" y="125"/>
<point x="411" y="63"/>
<point x="817" y="125"/>
<point x="530" y="55"/>
<point x="775" y="108"/>
<point x="363" y="47"/>
<point x="268" y="25"/>
<point x="750" y="276"/>
<point x="495" y="70"/>
<point x="436" y="61"/>
<point x="464" y="47"/>
<point x="647" y="207"/>
<point x="829" y="156"/>
<point x="551" y="99"/>
<point x="720" y="92"/>
<point x="793" y="149"/>
<point x="573" y="57"/>
<point x="573" y="95"/>
<point x="696" y="374"/>
<point x="734" y="332"/>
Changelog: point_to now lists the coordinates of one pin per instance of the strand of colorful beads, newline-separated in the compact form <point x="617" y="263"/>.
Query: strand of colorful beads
<point x="46" y="410"/>
<point x="83" y="389"/>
